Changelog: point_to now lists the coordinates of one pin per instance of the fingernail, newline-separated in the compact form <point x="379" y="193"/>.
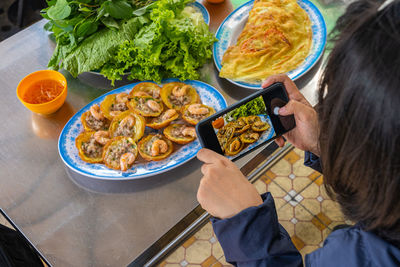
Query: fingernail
<point x="276" y="111"/>
<point x="282" y="110"/>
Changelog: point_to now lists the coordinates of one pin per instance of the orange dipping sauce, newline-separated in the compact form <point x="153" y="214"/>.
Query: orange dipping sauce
<point x="42" y="91"/>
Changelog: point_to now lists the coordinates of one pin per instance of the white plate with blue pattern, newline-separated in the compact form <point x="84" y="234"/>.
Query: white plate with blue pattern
<point x="69" y="153"/>
<point x="200" y="8"/>
<point x="232" y="26"/>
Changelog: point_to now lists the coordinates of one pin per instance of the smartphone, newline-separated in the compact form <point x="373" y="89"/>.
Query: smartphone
<point x="246" y="125"/>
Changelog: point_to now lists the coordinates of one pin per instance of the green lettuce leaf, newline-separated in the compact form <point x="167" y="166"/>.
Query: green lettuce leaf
<point x="175" y="43"/>
<point x="253" y="107"/>
<point x="97" y="49"/>
<point x="59" y="11"/>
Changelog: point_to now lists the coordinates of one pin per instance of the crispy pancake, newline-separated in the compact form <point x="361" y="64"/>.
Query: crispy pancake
<point x="276" y="39"/>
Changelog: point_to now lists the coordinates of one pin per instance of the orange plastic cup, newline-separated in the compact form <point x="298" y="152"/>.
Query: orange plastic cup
<point x="47" y="107"/>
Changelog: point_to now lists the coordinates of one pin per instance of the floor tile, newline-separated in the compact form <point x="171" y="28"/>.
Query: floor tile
<point x="300" y="183"/>
<point x="210" y="261"/>
<point x="284" y="182"/>
<point x="292" y="157"/>
<point x="189" y="242"/>
<point x="313" y="206"/>
<point x="205" y="233"/>
<point x="310" y="191"/>
<point x="268" y="176"/>
<point x="217" y="251"/>
<point x="332" y="210"/>
<point x="282" y="167"/>
<point x="298" y="243"/>
<point x="302" y="214"/>
<point x="4" y="222"/>
<point x="164" y="264"/>
<point x="198" y="252"/>
<point x="307" y="250"/>
<point x="300" y="170"/>
<point x="222" y="260"/>
<point x="304" y="209"/>
<point x="308" y="233"/>
<point x="316" y="177"/>
<point x="261" y="186"/>
<point x="177" y="256"/>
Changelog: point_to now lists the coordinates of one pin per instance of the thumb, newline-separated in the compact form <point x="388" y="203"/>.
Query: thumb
<point x="293" y="107"/>
<point x="209" y="156"/>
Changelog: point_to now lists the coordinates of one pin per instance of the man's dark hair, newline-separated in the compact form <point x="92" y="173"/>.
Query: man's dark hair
<point x="359" y="113"/>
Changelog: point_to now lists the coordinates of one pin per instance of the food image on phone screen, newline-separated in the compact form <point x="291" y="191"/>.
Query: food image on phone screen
<point x="244" y="127"/>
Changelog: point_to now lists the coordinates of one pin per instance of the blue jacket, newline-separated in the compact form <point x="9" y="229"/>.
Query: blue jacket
<point x="254" y="237"/>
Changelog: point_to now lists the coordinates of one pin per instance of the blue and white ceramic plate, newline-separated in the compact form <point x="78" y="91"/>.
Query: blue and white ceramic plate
<point x="200" y="8"/>
<point x="69" y="153"/>
<point x="232" y="26"/>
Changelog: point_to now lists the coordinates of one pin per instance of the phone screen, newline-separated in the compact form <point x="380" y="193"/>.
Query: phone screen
<point x="243" y="128"/>
<point x="246" y="125"/>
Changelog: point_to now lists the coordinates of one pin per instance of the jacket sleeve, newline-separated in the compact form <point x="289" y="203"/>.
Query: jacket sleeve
<point x="312" y="161"/>
<point x="254" y="237"/>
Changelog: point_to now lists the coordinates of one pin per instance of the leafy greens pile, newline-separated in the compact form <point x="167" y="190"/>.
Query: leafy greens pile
<point x="253" y="107"/>
<point x="148" y="40"/>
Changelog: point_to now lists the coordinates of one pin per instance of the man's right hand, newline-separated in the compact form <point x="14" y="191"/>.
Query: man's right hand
<point x="305" y="135"/>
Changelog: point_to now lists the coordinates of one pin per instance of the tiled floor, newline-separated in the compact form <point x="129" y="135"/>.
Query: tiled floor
<point x="303" y="207"/>
<point x="4" y="221"/>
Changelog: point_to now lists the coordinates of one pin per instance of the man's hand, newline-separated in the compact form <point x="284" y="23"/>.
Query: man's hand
<point x="224" y="191"/>
<point x="305" y="135"/>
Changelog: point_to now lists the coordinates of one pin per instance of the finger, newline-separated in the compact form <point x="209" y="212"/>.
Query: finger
<point x="274" y="79"/>
<point x="208" y="156"/>
<point x="280" y="141"/>
<point x="200" y="195"/>
<point x="291" y="88"/>
<point x="204" y="168"/>
<point x="299" y="110"/>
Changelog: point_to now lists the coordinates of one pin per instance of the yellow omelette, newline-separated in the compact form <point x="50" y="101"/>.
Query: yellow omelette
<point x="276" y="39"/>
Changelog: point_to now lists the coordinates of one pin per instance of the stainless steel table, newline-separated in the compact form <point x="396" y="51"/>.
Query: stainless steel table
<point x="94" y="224"/>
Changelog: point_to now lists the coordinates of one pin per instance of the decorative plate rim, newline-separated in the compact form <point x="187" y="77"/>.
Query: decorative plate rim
<point x="204" y="9"/>
<point x="77" y="115"/>
<point x="305" y="69"/>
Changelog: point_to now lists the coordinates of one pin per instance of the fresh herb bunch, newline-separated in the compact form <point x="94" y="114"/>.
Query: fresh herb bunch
<point x="174" y="42"/>
<point x="72" y="21"/>
<point x="253" y="107"/>
<point x="149" y="40"/>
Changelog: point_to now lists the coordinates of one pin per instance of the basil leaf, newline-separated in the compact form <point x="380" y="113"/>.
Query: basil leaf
<point x="86" y="28"/>
<point x="118" y="9"/>
<point x="60" y="10"/>
<point x="48" y="26"/>
<point x="51" y="2"/>
<point x="43" y="13"/>
<point x="63" y="25"/>
<point x="85" y="9"/>
<point x="110" y="22"/>
<point x="101" y="12"/>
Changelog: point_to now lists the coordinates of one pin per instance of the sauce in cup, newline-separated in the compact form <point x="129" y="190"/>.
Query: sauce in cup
<point x="42" y="91"/>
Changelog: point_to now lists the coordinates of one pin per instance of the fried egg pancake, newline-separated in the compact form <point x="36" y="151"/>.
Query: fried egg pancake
<point x="276" y="39"/>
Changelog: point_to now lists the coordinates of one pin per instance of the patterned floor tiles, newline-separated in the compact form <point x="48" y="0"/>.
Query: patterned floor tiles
<point x="304" y="210"/>
<point x="4" y="222"/>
